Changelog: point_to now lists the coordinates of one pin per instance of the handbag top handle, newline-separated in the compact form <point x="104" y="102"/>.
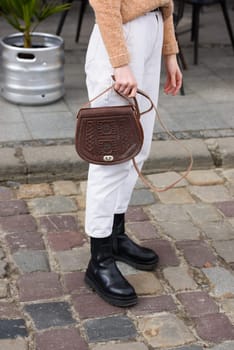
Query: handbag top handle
<point x="134" y="102"/>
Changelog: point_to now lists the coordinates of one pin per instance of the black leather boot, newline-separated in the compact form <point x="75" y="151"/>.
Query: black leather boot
<point x="124" y="249"/>
<point x="104" y="277"/>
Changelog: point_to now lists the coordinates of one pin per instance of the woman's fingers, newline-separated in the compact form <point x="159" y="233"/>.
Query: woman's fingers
<point x="133" y="92"/>
<point x="126" y="89"/>
<point x="173" y="83"/>
<point x="125" y="82"/>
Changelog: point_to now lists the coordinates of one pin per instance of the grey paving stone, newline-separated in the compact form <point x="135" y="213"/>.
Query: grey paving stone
<point x="225" y="250"/>
<point x="127" y="269"/>
<point x="202" y="213"/>
<point x="145" y="283"/>
<point x="181" y="230"/>
<point x="52" y="205"/>
<point x="210" y="194"/>
<point x="65" y="188"/>
<point x="13" y="344"/>
<point x="52" y="125"/>
<point x="168" y="212"/>
<point x="225" y="346"/>
<point x="59" y="106"/>
<point x="179" y="195"/>
<point x="142" y="197"/>
<point x="73" y="260"/>
<point x="12" y="329"/>
<point x="204" y="177"/>
<point x="221" y="280"/>
<point x="179" y="278"/>
<point x="46" y="315"/>
<point x="164" y="330"/>
<point x="219" y="230"/>
<point x="14" y="132"/>
<point x="110" y="328"/>
<point x="13" y="114"/>
<point x="29" y="261"/>
<point x="165" y="179"/>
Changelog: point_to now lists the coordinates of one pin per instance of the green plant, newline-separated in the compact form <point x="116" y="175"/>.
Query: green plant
<point x="25" y="15"/>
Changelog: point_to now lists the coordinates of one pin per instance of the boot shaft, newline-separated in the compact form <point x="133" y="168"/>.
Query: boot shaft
<point x="118" y="224"/>
<point x="101" y="248"/>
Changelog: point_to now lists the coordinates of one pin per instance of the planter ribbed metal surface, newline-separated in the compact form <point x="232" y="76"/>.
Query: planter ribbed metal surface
<point x="32" y="76"/>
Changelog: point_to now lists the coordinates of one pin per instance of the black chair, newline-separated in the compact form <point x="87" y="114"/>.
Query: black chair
<point x="83" y="6"/>
<point x="197" y="6"/>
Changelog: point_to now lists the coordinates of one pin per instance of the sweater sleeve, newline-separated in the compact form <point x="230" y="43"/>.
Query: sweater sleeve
<point x="169" y="41"/>
<point x="109" y="20"/>
<point x="111" y="16"/>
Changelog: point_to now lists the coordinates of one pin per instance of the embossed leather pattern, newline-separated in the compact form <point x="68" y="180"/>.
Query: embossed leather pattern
<point x="108" y="135"/>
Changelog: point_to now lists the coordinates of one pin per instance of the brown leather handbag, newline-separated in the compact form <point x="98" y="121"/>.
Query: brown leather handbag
<point x="113" y="134"/>
<point x="109" y="135"/>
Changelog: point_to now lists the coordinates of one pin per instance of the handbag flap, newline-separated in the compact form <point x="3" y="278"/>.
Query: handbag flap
<point x="108" y="135"/>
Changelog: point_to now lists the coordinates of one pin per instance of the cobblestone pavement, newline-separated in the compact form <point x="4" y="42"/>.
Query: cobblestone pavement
<point x="186" y="304"/>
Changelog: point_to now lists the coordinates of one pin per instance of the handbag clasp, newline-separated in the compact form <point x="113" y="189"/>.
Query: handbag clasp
<point x="108" y="158"/>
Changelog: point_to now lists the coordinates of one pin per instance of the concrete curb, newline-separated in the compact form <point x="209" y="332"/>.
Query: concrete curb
<point x="29" y="164"/>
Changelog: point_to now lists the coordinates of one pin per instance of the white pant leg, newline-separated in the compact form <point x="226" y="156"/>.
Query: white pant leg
<point x="150" y="85"/>
<point x="106" y="183"/>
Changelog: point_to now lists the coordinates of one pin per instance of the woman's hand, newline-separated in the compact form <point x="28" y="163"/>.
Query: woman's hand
<point x="125" y="82"/>
<point x="174" y="77"/>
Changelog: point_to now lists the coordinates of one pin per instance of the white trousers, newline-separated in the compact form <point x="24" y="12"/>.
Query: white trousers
<point x="110" y="187"/>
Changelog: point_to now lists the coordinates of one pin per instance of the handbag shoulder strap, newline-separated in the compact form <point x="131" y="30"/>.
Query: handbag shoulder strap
<point x="152" y="106"/>
<point x="144" y="180"/>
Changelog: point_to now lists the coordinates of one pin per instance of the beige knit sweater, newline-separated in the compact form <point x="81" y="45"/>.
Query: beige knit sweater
<point x="111" y="14"/>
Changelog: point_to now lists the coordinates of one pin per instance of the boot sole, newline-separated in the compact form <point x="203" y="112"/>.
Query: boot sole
<point x="124" y="302"/>
<point x="145" y="267"/>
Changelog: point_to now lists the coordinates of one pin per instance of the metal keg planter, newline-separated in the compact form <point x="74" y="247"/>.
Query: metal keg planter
<point x="32" y="76"/>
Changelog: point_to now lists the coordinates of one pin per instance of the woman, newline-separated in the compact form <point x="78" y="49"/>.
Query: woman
<point x="127" y="41"/>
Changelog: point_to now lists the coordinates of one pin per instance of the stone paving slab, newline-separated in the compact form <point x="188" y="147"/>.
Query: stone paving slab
<point x="185" y="304"/>
<point x="164" y="330"/>
<point x="14" y="344"/>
